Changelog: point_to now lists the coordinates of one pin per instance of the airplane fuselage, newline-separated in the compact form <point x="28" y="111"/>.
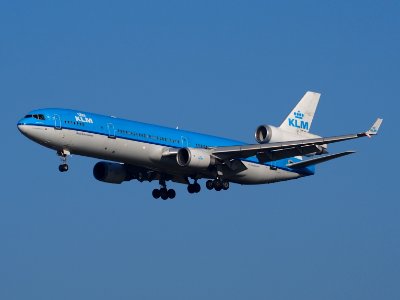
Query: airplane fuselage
<point x="142" y="145"/>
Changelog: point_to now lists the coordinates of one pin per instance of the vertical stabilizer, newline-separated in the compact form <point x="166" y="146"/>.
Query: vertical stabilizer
<point x="300" y="118"/>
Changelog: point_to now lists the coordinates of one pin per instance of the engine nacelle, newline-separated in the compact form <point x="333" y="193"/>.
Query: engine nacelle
<point x="194" y="158"/>
<point x="270" y="134"/>
<point x="110" y="172"/>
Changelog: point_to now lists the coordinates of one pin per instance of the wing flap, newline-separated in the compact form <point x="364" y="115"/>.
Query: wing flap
<point x="314" y="161"/>
<point x="273" y="155"/>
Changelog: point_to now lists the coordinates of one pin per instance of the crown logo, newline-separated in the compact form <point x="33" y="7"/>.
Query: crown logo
<point x="298" y="115"/>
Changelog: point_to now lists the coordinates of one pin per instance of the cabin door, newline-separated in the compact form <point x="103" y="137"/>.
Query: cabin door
<point x="57" y="122"/>
<point x="184" y="142"/>
<point x="111" y="130"/>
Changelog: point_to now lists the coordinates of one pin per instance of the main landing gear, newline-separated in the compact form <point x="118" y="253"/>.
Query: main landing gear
<point x="163" y="192"/>
<point x="217" y="184"/>
<point x="194" y="188"/>
<point x="63" y="167"/>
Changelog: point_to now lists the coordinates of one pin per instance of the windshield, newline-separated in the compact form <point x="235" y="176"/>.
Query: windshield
<point x="37" y="116"/>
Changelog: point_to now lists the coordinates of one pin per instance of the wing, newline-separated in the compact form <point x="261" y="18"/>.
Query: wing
<point x="276" y="151"/>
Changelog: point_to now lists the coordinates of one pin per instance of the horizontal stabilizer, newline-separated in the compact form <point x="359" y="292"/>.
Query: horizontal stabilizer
<point x="314" y="161"/>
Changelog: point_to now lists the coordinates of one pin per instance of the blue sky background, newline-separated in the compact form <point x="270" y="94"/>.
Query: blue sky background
<point x="218" y="67"/>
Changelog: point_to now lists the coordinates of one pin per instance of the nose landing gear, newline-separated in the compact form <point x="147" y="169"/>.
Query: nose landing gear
<point x="63" y="167"/>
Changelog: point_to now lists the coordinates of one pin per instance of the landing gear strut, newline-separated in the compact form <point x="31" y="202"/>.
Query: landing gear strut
<point x="217" y="184"/>
<point x="63" y="167"/>
<point x="163" y="192"/>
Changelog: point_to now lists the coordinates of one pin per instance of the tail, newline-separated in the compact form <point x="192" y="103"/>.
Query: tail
<point x="300" y="118"/>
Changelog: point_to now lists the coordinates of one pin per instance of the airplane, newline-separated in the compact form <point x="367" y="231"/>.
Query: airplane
<point x="145" y="152"/>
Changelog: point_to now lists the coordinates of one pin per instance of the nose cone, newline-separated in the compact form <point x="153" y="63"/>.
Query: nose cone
<point x="22" y="128"/>
<point x="35" y="133"/>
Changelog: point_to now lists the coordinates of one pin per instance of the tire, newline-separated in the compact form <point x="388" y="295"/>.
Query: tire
<point x="196" y="187"/>
<point x="63" y="168"/>
<point x="164" y="193"/>
<point x="190" y="189"/>
<point x="225" y="185"/>
<point x="156" y="193"/>
<point x="209" y="185"/>
<point x="217" y="184"/>
<point x="171" y="194"/>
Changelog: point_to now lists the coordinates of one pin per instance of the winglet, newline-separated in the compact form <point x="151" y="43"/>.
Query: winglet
<point x="374" y="129"/>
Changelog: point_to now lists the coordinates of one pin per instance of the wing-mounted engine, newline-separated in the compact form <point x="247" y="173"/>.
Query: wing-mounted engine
<point x="194" y="158"/>
<point x="110" y="172"/>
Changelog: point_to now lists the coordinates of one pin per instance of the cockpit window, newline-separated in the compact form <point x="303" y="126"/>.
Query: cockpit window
<point x="39" y="117"/>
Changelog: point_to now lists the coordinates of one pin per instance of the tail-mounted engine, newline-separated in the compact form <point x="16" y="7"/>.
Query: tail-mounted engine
<point x="194" y="158"/>
<point x="270" y="134"/>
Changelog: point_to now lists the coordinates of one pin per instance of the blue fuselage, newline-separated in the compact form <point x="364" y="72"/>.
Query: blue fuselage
<point x="82" y="127"/>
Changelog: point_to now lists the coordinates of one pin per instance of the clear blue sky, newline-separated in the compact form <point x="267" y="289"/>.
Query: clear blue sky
<point x="218" y="67"/>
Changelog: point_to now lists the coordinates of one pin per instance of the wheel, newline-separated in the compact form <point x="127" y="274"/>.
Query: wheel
<point x="164" y="193"/>
<point x="196" y="187"/>
<point x="156" y="193"/>
<point x="225" y="185"/>
<point x="217" y="184"/>
<point x="171" y="194"/>
<point x="218" y="188"/>
<point x="190" y="188"/>
<point x="209" y="184"/>
<point x="63" y="168"/>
